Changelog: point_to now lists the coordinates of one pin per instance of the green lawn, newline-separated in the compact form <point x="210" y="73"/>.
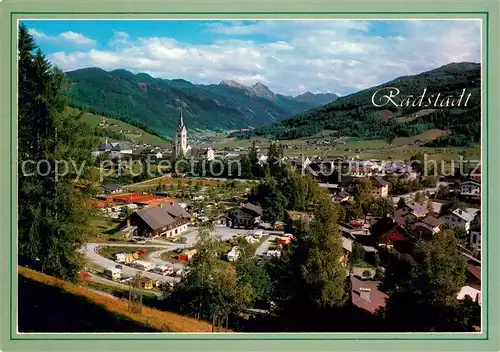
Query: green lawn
<point x="172" y="256"/>
<point x="108" y="251"/>
<point x="105" y="231"/>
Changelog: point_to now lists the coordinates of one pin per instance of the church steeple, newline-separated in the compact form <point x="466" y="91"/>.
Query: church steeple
<point x="180" y="137"/>
<point x="181" y="119"/>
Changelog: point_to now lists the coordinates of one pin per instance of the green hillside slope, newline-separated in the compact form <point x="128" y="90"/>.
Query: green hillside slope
<point x="356" y="116"/>
<point x="119" y="130"/>
<point x="153" y="104"/>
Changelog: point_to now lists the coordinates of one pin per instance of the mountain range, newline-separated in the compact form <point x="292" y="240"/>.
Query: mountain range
<point x="356" y="115"/>
<point x="153" y="104"/>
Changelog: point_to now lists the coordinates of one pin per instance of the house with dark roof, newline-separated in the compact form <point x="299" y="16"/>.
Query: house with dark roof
<point x="410" y="213"/>
<point x="430" y="223"/>
<point x="470" y="188"/>
<point x="106" y="147"/>
<point x="247" y="215"/>
<point x="121" y="148"/>
<point x="111" y="189"/>
<point x="380" y="187"/>
<point x="341" y="196"/>
<point x="202" y="153"/>
<point x="420" y="231"/>
<point x="164" y="220"/>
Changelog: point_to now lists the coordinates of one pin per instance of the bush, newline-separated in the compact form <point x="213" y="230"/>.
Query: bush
<point x="358" y="254"/>
<point x="379" y="273"/>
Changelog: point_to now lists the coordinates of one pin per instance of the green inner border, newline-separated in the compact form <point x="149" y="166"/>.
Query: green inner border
<point x="233" y="337"/>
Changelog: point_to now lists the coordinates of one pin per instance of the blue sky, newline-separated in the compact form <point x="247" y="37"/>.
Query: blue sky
<point x="290" y="57"/>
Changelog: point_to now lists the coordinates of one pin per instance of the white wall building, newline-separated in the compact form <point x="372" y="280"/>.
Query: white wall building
<point x="181" y="146"/>
<point x="470" y="188"/>
<point x="458" y="218"/>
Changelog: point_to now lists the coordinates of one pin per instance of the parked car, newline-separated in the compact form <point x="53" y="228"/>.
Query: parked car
<point x="178" y="250"/>
<point x="119" y="267"/>
<point x="125" y="279"/>
<point x="163" y="270"/>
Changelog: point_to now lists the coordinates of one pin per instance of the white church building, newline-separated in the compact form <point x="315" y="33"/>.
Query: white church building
<point x="181" y="147"/>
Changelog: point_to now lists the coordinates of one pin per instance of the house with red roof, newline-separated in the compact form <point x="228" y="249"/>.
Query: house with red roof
<point x="395" y="234"/>
<point x="365" y="295"/>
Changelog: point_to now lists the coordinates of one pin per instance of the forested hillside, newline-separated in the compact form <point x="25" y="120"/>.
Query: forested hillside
<point x="356" y="116"/>
<point x="153" y="104"/>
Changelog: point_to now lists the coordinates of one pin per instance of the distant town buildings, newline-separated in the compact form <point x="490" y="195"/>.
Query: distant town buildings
<point x="116" y="149"/>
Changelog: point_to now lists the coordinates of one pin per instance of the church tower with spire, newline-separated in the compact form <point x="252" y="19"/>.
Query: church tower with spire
<point x="180" y="137"/>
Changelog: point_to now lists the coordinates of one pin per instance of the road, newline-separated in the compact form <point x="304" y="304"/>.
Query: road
<point x="90" y="250"/>
<point x="409" y="197"/>
<point x="107" y="282"/>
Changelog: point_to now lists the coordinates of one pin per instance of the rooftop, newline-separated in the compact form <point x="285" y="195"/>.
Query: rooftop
<point x="417" y="208"/>
<point x="253" y="207"/>
<point x="155" y="217"/>
<point x="463" y="215"/>
<point x="431" y="221"/>
<point x="379" y="181"/>
<point x="374" y="300"/>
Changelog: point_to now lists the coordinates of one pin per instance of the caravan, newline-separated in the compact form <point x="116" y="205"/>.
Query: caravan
<point x="113" y="273"/>
<point x="142" y="265"/>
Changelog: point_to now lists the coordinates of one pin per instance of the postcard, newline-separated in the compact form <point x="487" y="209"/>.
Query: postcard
<point x="267" y="177"/>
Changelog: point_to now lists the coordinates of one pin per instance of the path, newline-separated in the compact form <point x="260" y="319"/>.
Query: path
<point x="91" y="251"/>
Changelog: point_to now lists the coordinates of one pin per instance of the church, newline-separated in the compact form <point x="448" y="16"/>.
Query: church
<point x="181" y="146"/>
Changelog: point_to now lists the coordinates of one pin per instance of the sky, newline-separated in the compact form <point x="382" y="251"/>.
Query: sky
<point x="289" y="56"/>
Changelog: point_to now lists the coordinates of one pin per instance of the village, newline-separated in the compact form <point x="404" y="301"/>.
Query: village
<point x="155" y="223"/>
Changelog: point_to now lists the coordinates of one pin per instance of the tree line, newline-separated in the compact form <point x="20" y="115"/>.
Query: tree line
<point x="54" y="210"/>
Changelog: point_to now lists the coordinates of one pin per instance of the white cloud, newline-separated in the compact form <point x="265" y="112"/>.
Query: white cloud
<point x="320" y="56"/>
<point x="67" y="37"/>
<point x="37" y="35"/>
<point x="76" y="38"/>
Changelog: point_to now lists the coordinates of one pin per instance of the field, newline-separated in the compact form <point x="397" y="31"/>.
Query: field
<point x="132" y="133"/>
<point x="81" y="310"/>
